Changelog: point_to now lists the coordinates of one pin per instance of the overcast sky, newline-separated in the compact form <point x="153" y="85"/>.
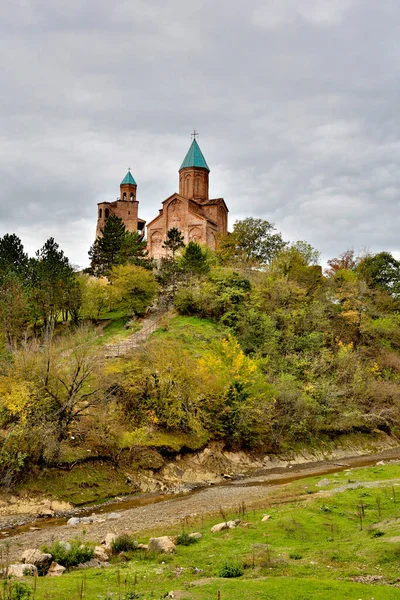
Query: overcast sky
<point x="296" y="102"/>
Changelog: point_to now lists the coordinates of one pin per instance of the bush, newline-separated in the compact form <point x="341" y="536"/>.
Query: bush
<point x="231" y="569"/>
<point x="123" y="543"/>
<point x="69" y="557"/>
<point x="376" y="533"/>
<point x="17" y="591"/>
<point x="295" y="556"/>
<point x="184" y="539"/>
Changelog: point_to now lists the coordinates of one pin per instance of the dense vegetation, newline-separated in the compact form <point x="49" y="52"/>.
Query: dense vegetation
<point x="267" y="351"/>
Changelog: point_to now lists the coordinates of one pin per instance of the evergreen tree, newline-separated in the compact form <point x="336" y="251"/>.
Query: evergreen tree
<point x="174" y="241"/>
<point x="117" y="246"/>
<point x="13" y="259"/>
<point x="134" y="251"/>
<point x="194" y="260"/>
<point x="104" y="253"/>
<point x="51" y="276"/>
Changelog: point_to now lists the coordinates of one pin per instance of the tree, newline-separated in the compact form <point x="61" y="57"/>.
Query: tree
<point x="381" y="271"/>
<point x="105" y="251"/>
<point x="133" y="288"/>
<point x="194" y="260"/>
<point x="117" y="246"/>
<point x="174" y="241"/>
<point x="252" y="243"/>
<point x="133" y="251"/>
<point x="169" y="269"/>
<point x="14" y="310"/>
<point x="13" y="259"/>
<point x="346" y="260"/>
<point x="50" y="275"/>
<point x="95" y="296"/>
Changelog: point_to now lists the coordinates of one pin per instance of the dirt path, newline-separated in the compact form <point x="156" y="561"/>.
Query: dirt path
<point x="255" y="491"/>
<point x="149" y="325"/>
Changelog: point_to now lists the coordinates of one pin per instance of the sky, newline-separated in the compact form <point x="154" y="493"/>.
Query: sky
<point x="296" y="103"/>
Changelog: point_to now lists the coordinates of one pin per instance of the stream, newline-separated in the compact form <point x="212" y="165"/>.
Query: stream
<point x="143" y="510"/>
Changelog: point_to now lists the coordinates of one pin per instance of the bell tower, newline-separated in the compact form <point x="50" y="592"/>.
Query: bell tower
<point x="128" y="187"/>
<point x="194" y="173"/>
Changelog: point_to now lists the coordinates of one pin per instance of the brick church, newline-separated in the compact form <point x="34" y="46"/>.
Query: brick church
<point x="197" y="216"/>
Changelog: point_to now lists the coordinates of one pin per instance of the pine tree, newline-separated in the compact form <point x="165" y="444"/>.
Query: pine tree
<point x="174" y="241"/>
<point x="117" y="246"/>
<point x="104" y="253"/>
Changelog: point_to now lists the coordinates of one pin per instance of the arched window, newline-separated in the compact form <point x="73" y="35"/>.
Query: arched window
<point x="106" y="213"/>
<point x="198" y="185"/>
<point x="187" y="185"/>
<point x="132" y="198"/>
<point x="100" y="213"/>
<point x="124" y="196"/>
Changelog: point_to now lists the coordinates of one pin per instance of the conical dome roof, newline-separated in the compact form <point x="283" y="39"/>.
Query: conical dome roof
<point x="128" y="179"/>
<point x="194" y="157"/>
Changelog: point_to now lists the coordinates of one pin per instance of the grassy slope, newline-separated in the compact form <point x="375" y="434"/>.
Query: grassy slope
<point x="310" y="548"/>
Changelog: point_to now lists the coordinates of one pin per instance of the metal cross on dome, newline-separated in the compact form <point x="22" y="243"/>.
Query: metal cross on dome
<point x="194" y="135"/>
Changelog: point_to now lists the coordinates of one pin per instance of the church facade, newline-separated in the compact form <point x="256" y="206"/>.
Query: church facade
<point x="191" y="210"/>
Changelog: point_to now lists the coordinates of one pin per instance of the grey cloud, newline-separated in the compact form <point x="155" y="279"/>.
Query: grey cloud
<point x="296" y="104"/>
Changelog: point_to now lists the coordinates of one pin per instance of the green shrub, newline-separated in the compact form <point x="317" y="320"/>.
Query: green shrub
<point x="231" y="569"/>
<point x="376" y="533"/>
<point x="123" y="543"/>
<point x="78" y="553"/>
<point x="17" y="591"/>
<point x="184" y="539"/>
<point x="295" y="556"/>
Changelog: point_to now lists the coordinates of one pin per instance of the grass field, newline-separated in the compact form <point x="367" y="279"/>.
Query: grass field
<point x="313" y="547"/>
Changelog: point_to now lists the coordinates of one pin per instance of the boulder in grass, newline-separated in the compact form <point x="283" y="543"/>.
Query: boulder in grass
<point x="101" y="553"/>
<point x="221" y="526"/>
<point x="55" y="570"/>
<point x="196" y="535"/>
<point x="108" y="540"/>
<point x="22" y="570"/>
<point x="162" y="544"/>
<point x="265" y="518"/>
<point x="143" y="546"/>
<point x="41" y="560"/>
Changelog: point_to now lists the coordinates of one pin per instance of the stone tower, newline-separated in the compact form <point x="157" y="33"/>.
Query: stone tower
<point x="193" y="175"/>
<point x="126" y="207"/>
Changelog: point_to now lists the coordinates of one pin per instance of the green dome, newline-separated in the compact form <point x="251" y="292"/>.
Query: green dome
<point x="128" y="179"/>
<point x="194" y="157"/>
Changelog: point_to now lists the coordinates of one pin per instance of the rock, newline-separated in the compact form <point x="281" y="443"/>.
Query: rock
<point x="45" y="513"/>
<point x="100" y="553"/>
<point x="34" y="557"/>
<point x="93" y="563"/>
<point x="196" y="535"/>
<point x="380" y="463"/>
<point x="367" y="578"/>
<point x="55" y="570"/>
<point x="265" y="518"/>
<point x="162" y="544"/>
<point x="143" y="546"/>
<point x="108" y="540"/>
<point x="24" y="570"/>
<point x="114" y="515"/>
<point x="221" y="526"/>
<point x="323" y="483"/>
<point x="73" y="521"/>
